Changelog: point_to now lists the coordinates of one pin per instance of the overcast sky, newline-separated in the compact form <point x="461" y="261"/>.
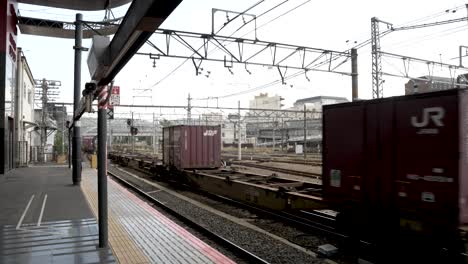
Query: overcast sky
<point x="334" y="25"/>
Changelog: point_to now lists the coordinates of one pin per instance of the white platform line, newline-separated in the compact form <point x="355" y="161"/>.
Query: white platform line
<point x="25" y="211"/>
<point x="42" y="211"/>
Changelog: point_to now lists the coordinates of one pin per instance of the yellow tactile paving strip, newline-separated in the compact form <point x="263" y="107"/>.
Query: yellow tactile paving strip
<point x="123" y="247"/>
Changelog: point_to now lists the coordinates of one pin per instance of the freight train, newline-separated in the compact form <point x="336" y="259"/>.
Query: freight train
<point x="398" y="167"/>
<point x="395" y="169"/>
<point x="88" y="144"/>
<point x="192" y="156"/>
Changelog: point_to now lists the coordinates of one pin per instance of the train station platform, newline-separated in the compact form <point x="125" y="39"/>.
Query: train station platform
<point x="45" y="219"/>
<point x="138" y="233"/>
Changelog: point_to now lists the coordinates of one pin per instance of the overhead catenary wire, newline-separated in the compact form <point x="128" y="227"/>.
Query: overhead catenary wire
<point x="432" y="16"/>
<point x="277" y="17"/>
<point x="271" y="20"/>
<point x="240" y="14"/>
<point x="385" y="32"/>
<point x="249" y="21"/>
<point x="184" y="61"/>
<point x="429" y="36"/>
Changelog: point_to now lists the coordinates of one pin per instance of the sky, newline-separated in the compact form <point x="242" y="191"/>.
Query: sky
<point x="334" y="25"/>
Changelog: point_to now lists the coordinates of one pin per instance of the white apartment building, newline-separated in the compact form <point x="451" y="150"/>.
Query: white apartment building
<point x="24" y="111"/>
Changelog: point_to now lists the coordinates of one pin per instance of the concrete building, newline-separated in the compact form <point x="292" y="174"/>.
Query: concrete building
<point x="426" y="84"/>
<point x="24" y="111"/>
<point x="315" y="103"/>
<point x="286" y="129"/>
<point x="263" y="101"/>
<point x="8" y="65"/>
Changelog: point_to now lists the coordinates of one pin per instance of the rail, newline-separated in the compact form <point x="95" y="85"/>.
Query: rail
<point x="307" y="220"/>
<point x="252" y="258"/>
<point x="286" y="171"/>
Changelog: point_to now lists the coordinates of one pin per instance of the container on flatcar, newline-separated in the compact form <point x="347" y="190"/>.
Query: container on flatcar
<point x="192" y="147"/>
<point x="401" y="161"/>
<point x="88" y="143"/>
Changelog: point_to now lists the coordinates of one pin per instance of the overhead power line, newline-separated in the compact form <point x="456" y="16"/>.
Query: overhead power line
<point x="183" y="62"/>
<point x="269" y="10"/>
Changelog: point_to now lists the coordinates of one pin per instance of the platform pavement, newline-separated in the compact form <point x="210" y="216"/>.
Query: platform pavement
<point x="139" y="233"/>
<point x="45" y="219"/>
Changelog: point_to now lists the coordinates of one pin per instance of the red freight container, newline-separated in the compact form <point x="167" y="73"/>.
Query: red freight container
<point x="403" y="158"/>
<point x="87" y="143"/>
<point x="192" y="147"/>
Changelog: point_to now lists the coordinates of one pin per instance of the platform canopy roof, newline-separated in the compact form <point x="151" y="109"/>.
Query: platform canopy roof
<point x="86" y="5"/>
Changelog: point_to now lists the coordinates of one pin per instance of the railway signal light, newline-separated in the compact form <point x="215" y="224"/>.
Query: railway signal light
<point x="133" y="131"/>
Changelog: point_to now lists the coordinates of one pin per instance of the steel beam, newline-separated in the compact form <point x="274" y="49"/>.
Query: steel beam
<point x="189" y="40"/>
<point x="77" y="5"/>
<point x="141" y="20"/>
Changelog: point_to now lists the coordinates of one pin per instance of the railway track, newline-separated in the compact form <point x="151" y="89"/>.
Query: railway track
<point x="306" y="220"/>
<point x="286" y="171"/>
<point x="301" y="220"/>
<point x="285" y="159"/>
<point x="250" y="257"/>
<point x="295" y="161"/>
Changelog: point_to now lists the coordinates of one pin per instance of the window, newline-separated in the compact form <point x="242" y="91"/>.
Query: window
<point x="30" y="97"/>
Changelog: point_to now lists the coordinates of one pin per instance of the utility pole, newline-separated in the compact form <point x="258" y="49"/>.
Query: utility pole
<point x="354" y="74"/>
<point x="69" y="149"/>
<point x="154" y="136"/>
<point x="133" y="137"/>
<point x="189" y="109"/>
<point x="305" y="133"/>
<point x="18" y="124"/>
<point x="64" y="113"/>
<point x="274" y="135"/>
<point x="44" y="119"/>
<point x="282" y="135"/>
<point x="110" y="135"/>
<point x="239" y="144"/>
<point x="76" y="100"/>
<point x="377" y="76"/>
<point x="461" y="55"/>
<point x="377" y="88"/>
<point x="44" y="88"/>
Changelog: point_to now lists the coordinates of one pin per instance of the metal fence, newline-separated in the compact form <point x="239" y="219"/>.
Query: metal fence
<point x="22" y="153"/>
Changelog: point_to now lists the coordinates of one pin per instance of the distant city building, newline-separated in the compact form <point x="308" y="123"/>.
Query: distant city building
<point x="315" y="103"/>
<point x="427" y="84"/>
<point x="287" y="128"/>
<point x="263" y="101"/>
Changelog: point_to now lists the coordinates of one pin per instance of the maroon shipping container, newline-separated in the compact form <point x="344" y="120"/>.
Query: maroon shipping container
<point x="87" y="143"/>
<point x="192" y="147"/>
<point x="403" y="158"/>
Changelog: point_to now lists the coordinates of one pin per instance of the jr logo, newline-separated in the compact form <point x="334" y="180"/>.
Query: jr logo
<point x="432" y="113"/>
<point x="210" y="133"/>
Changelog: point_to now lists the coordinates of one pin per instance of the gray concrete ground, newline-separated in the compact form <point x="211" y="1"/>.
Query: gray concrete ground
<point x="45" y="219"/>
<point x="64" y="201"/>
